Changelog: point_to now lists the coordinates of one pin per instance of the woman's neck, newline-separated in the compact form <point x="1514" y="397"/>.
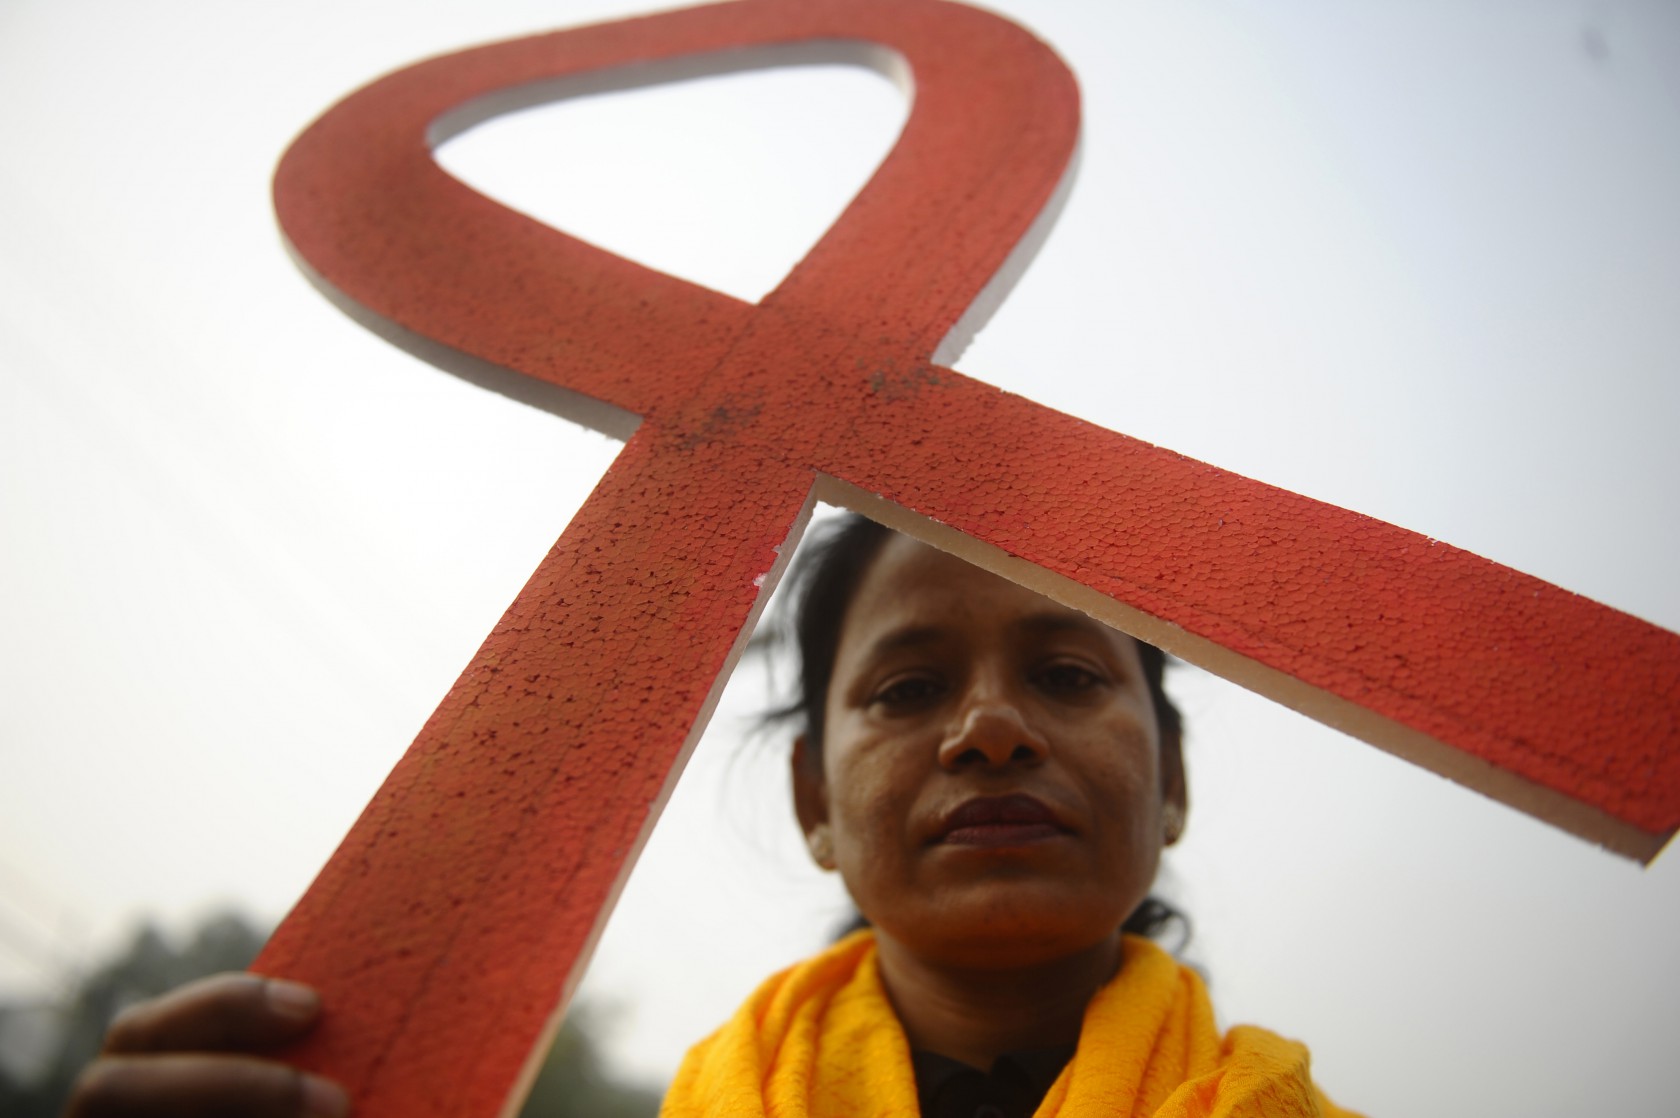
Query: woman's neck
<point x="976" y="1015"/>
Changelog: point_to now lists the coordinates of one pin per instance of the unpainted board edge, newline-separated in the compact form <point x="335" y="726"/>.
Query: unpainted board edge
<point x="1582" y="820"/>
<point x="991" y="297"/>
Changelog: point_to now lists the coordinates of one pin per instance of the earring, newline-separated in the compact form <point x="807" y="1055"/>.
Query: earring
<point x="1172" y="823"/>
<point x="820" y="840"/>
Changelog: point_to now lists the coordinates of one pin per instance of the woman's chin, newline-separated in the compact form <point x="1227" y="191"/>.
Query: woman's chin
<point x="1005" y="929"/>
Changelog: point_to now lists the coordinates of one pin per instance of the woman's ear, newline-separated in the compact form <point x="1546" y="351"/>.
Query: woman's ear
<point x="1175" y="794"/>
<point x="810" y="802"/>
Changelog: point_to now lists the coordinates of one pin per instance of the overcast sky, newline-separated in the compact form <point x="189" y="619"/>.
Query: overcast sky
<point x="1417" y="259"/>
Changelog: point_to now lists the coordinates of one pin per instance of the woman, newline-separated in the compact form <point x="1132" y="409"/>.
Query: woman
<point x="994" y="777"/>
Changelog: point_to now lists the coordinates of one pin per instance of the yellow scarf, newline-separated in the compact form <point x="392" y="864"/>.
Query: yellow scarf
<point x="820" y="1040"/>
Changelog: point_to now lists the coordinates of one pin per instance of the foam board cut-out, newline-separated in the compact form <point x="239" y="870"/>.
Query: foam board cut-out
<point x="451" y="923"/>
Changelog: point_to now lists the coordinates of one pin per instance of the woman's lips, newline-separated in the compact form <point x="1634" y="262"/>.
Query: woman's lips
<point x="1000" y="821"/>
<point x="1002" y="834"/>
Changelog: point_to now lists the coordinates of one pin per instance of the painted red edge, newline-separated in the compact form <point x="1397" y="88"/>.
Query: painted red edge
<point x="445" y="928"/>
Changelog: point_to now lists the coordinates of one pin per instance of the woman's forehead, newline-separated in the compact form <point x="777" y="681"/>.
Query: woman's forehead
<point x="908" y="570"/>
<point x="911" y="586"/>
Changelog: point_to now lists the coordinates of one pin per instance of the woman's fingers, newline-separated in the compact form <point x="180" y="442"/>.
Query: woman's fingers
<point x="202" y="1086"/>
<point x="224" y="1013"/>
<point x="183" y="1055"/>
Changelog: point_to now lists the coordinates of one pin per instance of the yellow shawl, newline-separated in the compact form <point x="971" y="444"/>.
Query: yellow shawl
<point x="819" y="1040"/>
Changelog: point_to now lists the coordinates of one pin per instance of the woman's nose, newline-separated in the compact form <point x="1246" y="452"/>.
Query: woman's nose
<point x="992" y="731"/>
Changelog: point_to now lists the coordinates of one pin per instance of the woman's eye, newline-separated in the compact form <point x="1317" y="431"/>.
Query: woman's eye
<point x="908" y="691"/>
<point x="1068" y="678"/>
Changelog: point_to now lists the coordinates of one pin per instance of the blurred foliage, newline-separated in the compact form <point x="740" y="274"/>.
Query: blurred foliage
<point x="43" y="1047"/>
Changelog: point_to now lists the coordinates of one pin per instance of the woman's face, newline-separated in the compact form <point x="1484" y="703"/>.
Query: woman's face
<point x="992" y="774"/>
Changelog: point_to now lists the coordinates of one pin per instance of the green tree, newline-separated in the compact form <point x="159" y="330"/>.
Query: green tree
<point x="46" y="1046"/>
<point x="574" y="1083"/>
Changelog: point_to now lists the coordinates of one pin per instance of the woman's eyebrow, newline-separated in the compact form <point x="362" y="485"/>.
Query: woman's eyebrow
<point x="910" y="636"/>
<point x="1049" y="624"/>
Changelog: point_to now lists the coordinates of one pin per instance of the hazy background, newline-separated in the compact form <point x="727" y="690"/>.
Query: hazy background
<point x="1418" y="259"/>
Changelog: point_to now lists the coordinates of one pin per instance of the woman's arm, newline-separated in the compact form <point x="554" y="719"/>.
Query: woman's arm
<point x="192" y="1053"/>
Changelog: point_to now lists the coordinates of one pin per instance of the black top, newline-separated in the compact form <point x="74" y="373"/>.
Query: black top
<point x="1017" y="1083"/>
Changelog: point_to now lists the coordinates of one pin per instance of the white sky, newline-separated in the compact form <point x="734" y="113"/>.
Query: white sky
<point x="1418" y="259"/>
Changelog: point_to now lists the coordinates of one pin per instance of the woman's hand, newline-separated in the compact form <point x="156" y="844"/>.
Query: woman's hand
<point x="187" y="1054"/>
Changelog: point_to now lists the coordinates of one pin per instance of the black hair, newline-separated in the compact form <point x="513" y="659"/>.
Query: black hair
<point x="821" y="587"/>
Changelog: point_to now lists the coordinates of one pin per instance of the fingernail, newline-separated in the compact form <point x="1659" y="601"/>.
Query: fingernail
<point x="322" y="1098"/>
<point x="291" y="999"/>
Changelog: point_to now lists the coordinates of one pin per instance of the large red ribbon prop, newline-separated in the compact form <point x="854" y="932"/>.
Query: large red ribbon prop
<point x="449" y="925"/>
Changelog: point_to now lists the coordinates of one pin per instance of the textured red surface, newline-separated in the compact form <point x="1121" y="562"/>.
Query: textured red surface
<point x="446" y="928"/>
